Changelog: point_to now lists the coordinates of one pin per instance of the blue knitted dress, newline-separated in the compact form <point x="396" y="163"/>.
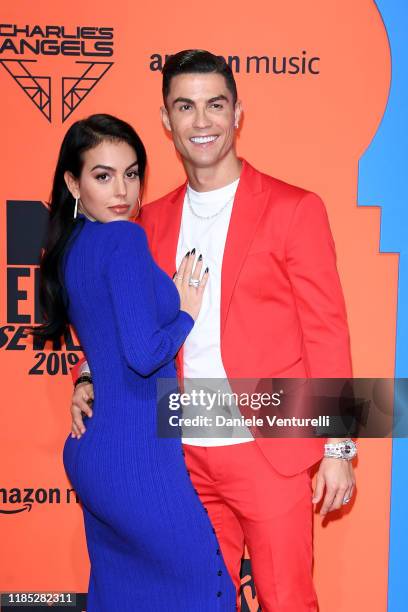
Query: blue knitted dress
<point x="151" y="545"/>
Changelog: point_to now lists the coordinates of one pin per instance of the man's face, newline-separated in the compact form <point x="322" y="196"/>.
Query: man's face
<point x="201" y="117"/>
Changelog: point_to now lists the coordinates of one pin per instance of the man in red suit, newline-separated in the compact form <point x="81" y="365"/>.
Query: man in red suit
<point x="273" y="308"/>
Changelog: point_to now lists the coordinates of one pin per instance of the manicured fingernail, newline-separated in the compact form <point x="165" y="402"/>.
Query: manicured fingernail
<point x="206" y="271"/>
<point x="187" y="254"/>
<point x="193" y="252"/>
<point x="200" y="258"/>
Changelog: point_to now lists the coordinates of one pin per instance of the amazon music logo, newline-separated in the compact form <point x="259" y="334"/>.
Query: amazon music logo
<point x="26" y="228"/>
<point x="299" y="64"/>
<point x="42" y="80"/>
<point x="16" y="500"/>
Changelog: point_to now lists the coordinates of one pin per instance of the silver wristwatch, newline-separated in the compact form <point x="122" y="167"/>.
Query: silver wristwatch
<point x="341" y="450"/>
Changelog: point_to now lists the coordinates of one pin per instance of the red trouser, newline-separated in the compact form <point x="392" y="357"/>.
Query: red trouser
<point x="249" y="503"/>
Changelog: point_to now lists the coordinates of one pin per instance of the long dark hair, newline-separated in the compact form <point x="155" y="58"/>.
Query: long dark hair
<point x="81" y="136"/>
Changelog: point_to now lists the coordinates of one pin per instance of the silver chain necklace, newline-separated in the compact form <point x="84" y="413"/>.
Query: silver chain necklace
<point x="209" y="216"/>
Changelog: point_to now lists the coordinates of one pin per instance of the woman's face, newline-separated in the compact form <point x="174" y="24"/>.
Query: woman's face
<point x="109" y="184"/>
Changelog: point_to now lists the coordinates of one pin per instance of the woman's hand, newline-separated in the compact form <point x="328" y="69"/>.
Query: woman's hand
<point x="191" y="295"/>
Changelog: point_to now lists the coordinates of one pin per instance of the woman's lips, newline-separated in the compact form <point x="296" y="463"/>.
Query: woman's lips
<point x="120" y="209"/>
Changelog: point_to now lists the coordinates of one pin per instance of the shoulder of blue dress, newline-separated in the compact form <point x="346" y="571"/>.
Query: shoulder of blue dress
<point x="113" y="234"/>
<point x="122" y="229"/>
<point x="122" y="234"/>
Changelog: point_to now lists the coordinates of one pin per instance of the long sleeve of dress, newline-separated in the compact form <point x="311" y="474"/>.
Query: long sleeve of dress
<point x="129" y="273"/>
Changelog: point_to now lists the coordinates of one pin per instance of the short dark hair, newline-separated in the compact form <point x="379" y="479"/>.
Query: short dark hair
<point x="193" y="61"/>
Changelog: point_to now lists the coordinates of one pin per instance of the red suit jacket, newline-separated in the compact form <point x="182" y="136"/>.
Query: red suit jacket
<point x="282" y="306"/>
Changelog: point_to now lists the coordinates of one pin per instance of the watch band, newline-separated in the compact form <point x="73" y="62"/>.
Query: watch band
<point x="341" y="450"/>
<point x="84" y="378"/>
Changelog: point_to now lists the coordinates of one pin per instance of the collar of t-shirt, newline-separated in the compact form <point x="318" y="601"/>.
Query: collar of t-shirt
<point x="207" y="203"/>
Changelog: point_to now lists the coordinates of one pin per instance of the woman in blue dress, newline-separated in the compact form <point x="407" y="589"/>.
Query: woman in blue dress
<point x="150" y="542"/>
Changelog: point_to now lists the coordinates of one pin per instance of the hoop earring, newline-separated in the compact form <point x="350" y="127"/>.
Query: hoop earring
<point x="76" y="208"/>
<point x="139" y="206"/>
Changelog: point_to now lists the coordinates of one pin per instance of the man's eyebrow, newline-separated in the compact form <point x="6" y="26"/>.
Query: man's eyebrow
<point x="103" y="167"/>
<point x="185" y="100"/>
<point x="210" y="101"/>
<point x="220" y="97"/>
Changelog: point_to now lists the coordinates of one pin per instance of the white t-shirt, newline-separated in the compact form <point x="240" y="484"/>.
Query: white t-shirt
<point x="202" y="348"/>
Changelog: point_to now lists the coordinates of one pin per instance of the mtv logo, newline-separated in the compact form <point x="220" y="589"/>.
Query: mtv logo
<point x="27" y="223"/>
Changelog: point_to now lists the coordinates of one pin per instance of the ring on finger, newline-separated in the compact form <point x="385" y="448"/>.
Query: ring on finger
<point x="346" y="500"/>
<point x="194" y="282"/>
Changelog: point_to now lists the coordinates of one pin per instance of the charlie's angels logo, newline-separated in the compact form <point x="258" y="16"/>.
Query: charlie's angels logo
<point x="38" y="87"/>
<point x="19" y="44"/>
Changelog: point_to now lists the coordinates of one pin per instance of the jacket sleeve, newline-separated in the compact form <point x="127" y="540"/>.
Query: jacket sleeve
<point x="145" y="344"/>
<point x="311" y="264"/>
<point x="77" y="368"/>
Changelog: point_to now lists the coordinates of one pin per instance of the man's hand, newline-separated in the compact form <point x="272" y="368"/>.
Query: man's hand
<point x="337" y="476"/>
<point x="81" y="403"/>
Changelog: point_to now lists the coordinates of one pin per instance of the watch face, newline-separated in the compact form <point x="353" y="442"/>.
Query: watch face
<point x="349" y="450"/>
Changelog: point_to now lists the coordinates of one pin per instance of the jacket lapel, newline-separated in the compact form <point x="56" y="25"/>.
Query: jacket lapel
<point x="168" y="232"/>
<point x="166" y="248"/>
<point x="249" y="205"/>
